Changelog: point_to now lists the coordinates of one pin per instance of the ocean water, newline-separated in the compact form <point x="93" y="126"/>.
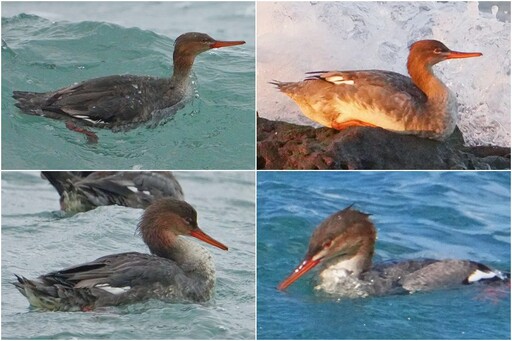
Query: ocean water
<point x="297" y="37"/>
<point x="46" y="46"/>
<point x="463" y="215"/>
<point x="36" y="240"/>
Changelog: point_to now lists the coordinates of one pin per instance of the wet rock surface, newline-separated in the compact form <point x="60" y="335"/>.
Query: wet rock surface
<point x="283" y="145"/>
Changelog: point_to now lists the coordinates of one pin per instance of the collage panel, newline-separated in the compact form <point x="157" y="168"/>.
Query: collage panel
<point x="204" y="170"/>
<point x="383" y="255"/>
<point x="383" y="85"/>
<point x="82" y="263"/>
<point x="128" y="85"/>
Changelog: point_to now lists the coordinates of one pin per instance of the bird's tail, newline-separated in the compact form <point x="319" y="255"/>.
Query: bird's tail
<point x="284" y="87"/>
<point x="62" y="181"/>
<point x="30" y="102"/>
<point x="54" y="297"/>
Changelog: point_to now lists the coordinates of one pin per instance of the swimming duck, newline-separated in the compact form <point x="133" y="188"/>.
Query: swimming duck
<point x="83" y="191"/>
<point x="122" y="102"/>
<point x="177" y="270"/>
<point x="343" y="247"/>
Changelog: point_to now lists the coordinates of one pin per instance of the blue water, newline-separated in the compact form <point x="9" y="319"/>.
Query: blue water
<point x="439" y="215"/>
<point x="36" y="240"/>
<point x="46" y="46"/>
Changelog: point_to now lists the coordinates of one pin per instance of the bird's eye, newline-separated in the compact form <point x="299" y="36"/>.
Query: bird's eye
<point x="327" y="244"/>
<point x="437" y="51"/>
<point x="188" y="221"/>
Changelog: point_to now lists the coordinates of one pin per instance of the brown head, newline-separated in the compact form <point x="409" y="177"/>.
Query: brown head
<point x="194" y="43"/>
<point x="431" y="52"/>
<point x="346" y="234"/>
<point x="166" y="219"/>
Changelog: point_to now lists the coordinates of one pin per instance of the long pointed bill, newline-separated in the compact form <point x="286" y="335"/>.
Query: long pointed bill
<point x="219" y="43"/>
<point x="305" y="266"/>
<point x="456" y="54"/>
<point x="199" y="234"/>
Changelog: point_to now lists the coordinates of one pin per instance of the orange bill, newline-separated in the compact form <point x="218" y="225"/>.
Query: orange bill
<point x="219" y="43"/>
<point x="304" y="267"/>
<point x="456" y="54"/>
<point x="199" y="234"/>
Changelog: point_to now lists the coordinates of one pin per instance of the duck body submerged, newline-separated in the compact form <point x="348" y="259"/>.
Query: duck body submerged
<point x="405" y="277"/>
<point x="343" y="245"/>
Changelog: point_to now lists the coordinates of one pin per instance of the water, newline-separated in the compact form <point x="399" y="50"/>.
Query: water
<point x="46" y="46"/>
<point x="375" y="35"/>
<point x="440" y="215"/>
<point x="35" y="241"/>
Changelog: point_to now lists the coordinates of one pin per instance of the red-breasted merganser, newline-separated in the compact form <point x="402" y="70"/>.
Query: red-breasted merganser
<point x="122" y="102"/>
<point x="343" y="246"/>
<point x="177" y="270"/>
<point x="132" y="189"/>
<point x="421" y="105"/>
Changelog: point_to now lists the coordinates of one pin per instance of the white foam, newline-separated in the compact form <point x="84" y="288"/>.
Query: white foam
<point x="297" y="37"/>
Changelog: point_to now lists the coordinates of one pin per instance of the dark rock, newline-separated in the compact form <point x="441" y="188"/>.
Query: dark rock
<point x="284" y="145"/>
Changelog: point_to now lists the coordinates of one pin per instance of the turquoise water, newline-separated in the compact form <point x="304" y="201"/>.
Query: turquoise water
<point x="58" y="44"/>
<point x="35" y="241"/>
<point x="439" y="215"/>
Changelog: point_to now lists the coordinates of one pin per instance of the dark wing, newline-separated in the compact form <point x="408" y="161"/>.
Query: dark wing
<point x="103" y="192"/>
<point x="158" y="184"/>
<point x="448" y="273"/>
<point x="97" y="102"/>
<point x="122" y="270"/>
<point x="132" y="189"/>
<point x="111" y="280"/>
<point x="390" y="274"/>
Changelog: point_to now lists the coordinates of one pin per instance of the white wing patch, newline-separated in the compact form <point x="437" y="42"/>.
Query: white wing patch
<point x="478" y="275"/>
<point x="338" y="80"/>
<point x="88" y="119"/>
<point x="133" y="189"/>
<point x="113" y="290"/>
